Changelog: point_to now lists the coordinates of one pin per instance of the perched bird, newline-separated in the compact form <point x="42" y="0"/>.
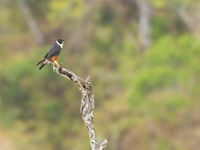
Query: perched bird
<point x="52" y="54"/>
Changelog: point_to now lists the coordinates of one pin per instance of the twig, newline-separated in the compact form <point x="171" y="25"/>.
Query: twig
<point x="87" y="103"/>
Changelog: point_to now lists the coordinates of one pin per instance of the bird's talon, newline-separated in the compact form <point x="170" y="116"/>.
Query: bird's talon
<point x="61" y="67"/>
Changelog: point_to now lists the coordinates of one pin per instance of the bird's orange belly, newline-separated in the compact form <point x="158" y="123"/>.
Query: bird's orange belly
<point x="54" y="58"/>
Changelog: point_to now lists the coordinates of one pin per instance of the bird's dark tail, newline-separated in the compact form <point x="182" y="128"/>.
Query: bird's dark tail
<point x="42" y="66"/>
<point x="41" y="62"/>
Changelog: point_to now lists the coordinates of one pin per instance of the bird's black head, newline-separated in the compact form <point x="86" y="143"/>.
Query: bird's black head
<point x="60" y="41"/>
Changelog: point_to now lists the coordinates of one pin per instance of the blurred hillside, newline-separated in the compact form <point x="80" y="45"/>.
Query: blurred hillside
<point x="143" y="58"/>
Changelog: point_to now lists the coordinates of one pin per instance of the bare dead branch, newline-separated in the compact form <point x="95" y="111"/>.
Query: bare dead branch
<point x="87" y="103"/>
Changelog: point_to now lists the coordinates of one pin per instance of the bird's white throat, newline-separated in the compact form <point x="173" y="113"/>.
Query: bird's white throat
<point x="61" y="45"/>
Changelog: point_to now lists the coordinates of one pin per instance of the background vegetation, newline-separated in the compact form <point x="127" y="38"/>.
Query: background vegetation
<point x="147" y="93"/>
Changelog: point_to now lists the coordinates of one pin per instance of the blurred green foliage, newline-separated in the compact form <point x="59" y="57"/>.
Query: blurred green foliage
<point x="163" y="80"/>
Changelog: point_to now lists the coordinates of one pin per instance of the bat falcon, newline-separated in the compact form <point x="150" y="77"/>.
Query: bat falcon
<point x="53" y="53"/>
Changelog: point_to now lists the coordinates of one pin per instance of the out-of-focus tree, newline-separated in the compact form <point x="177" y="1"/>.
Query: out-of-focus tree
<point x="32" y="23"/>
<point x="144" y="29"/>
<point x="185" y="10"/>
